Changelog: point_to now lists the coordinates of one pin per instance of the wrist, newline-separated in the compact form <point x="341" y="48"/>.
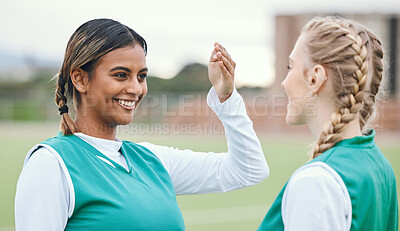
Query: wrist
<point x="224" y="98"/>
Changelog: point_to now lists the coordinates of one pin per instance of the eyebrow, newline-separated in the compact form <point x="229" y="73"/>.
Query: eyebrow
<point x="290" y="60"/>
<point x="121" y="68"/>
<point x="127" y="69"/>
<point x="144" y="69"/>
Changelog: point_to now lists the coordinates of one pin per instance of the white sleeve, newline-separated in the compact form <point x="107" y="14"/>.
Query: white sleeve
<point x="42" y="196"/>
<point x="315" y="199"/>
<point x="243" y="165"/>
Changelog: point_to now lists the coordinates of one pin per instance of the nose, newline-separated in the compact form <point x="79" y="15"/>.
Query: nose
<point x="134" y="87"/>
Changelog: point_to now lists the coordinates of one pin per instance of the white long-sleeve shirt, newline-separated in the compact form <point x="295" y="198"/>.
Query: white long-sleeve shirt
<point x="45" y="196"/>
<point x="315" y="199"/>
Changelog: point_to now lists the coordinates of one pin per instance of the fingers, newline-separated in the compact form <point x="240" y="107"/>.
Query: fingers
<point x="213" y="58"/>
<point x="225" y="63"/>
<point x="224" y="70"/>
<point x="224" y="52"/>
<point x="221" y="72"/>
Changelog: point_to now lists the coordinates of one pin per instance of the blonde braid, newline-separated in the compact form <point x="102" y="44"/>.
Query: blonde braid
<point x="351" y="98"/>
<point x="368" y="111"/>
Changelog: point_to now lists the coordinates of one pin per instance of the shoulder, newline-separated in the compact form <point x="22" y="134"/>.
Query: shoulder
<point x="316" y="190"/>
<point x="144" y="146"/>
<point x="44" y="156"/>
<point x="158" y="149"/>
<point x="59" y="140"/>
<point x="41" y="163"/>
<point x="317" y="173"/>
<point x="317" y="182"/>
<point x="152" y="147"/>
<point x="148" y="151"/>
<point x="41" y="153"/>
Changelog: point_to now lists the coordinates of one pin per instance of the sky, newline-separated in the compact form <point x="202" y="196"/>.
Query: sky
<point x="178" y="32"/>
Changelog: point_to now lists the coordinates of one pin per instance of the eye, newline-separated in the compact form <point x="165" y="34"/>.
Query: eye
<point x="289" y="67"/>
<point x="120" y="75"/>
<point x="142" y="76"/>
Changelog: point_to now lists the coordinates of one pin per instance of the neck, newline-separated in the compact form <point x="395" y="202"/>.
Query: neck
<point x="322" y="117"/>
<point x="90" y="126"/>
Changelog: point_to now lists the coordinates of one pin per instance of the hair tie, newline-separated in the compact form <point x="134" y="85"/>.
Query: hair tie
<point x="63" y="109"/>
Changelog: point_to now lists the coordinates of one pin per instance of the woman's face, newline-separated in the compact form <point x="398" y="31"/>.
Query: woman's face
<point x="296" y="86"/>
<point x="117" y="86"/>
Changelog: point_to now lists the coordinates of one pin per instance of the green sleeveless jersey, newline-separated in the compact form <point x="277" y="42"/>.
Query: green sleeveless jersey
<point x="369" y="179"/>
<point x="109" y="197"/>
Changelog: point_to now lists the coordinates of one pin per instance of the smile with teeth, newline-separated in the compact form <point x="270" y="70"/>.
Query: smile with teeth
<point x="126" y="103"/>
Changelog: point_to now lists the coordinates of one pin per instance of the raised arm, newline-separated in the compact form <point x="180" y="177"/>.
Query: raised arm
<point x="243" y="165"/>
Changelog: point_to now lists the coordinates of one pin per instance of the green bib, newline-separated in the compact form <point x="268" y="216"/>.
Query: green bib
<point x="110" y="198"/>
<point x="369" y="179"/>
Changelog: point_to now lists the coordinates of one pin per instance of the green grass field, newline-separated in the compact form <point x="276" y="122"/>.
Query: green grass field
<point x="237" y="210"/>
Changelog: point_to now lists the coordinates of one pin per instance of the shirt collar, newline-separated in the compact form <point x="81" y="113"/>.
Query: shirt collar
<point x="103" y="145"/>
<point x="366" y="139"/>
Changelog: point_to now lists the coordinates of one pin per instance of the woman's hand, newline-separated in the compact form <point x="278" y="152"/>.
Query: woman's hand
<point x="221" y="69"/>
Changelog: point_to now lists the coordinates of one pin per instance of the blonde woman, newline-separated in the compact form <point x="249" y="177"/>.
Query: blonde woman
<point x="336" y="68"/>
<point x="88" y="179"/>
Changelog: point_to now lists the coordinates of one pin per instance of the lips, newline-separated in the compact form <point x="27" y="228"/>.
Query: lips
<point x="127" y="104"/>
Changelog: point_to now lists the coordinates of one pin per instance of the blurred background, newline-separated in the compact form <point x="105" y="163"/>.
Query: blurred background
<point x="180" y="34"/>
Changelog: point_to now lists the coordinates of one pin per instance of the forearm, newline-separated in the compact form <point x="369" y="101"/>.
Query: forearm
<point x="246" y="158"/>
<point x="243" y="165"/>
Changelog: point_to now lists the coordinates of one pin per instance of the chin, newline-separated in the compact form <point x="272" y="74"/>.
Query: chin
<point x="294" y="115"/>
<point x="125" y="122"/>
<point x="294" y="121"/>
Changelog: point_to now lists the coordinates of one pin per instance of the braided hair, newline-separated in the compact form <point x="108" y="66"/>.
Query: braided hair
<point x="87" y="45"/>
<point x="352" y="56"/>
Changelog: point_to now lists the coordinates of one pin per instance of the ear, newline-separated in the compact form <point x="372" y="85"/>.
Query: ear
<point x="80" y="79"/>
<point x="317" y="79"/>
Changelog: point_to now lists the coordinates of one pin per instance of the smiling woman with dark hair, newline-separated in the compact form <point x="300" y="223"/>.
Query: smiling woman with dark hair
<point x="86" y="178"/>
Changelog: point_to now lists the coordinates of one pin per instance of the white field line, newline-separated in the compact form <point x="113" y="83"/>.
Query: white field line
<point x="225" y="215"/>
